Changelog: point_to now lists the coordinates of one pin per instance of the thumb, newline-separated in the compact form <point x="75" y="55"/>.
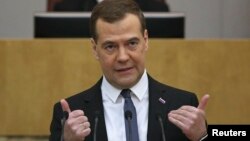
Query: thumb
<point x="203" y="102"/>
<point x="65" y="105"/>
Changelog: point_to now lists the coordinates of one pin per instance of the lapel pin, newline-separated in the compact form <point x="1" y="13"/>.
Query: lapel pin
<point x="162" y="100"/>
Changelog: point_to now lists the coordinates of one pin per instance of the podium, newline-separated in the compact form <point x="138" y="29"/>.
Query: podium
<point x="76" y="24"/>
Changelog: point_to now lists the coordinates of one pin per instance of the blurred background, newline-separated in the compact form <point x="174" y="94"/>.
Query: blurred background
<point x="204" y="18"/>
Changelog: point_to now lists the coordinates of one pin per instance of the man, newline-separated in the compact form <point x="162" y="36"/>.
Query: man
<point x="120" y="42"/>
<point x="88" y="5"/>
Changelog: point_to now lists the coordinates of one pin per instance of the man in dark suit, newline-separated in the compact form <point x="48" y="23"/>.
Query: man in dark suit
<point x="88" y="5"/>
<point x="120" y="42"/>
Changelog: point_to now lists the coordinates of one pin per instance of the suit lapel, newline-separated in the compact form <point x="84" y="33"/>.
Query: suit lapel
<point x="158" y="104"/>
<point x="94" y="108"/>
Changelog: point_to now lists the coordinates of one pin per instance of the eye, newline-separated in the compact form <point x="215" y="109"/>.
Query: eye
<point x="109" y="47"/>
<point x="133" y="44"/>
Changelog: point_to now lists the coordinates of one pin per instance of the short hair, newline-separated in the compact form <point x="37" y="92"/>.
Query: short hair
<point x="114" y="10"/>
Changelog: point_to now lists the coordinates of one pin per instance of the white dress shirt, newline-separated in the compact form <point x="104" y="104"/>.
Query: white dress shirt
<point x="113" y="104"/>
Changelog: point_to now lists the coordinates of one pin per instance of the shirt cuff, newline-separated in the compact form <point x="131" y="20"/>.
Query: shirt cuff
<point x="204" y="137"/>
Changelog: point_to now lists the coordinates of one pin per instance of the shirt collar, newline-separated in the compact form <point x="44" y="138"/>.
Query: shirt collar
<point x="113" y="93"/>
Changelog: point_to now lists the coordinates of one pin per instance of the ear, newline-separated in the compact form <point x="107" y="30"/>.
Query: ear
<point x="94" y="49"/>
<point x="145" y="36"/>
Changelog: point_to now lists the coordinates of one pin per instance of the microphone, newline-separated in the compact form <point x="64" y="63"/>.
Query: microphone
<point x="97" y="114"/>
<point x="128" y="117"/>
<point x="162" y="127"/>
<point x="63" y="120"/>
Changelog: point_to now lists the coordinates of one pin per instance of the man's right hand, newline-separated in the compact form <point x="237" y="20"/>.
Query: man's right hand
<point x="76" y="127"/>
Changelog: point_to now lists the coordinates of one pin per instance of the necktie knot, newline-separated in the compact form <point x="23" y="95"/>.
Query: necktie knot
<point x="126" y="93"/>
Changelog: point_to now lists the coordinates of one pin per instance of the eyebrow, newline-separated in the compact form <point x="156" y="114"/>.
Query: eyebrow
<point x="112" y="42"/>
<point x="107" y="42"/>
<point x="134" y="38"/>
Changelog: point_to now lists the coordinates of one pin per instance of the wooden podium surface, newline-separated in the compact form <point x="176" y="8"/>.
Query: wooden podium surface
<point x="34" y="74"/>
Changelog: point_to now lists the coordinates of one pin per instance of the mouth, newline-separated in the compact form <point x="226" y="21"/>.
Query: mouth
<point x="124" y="70"/>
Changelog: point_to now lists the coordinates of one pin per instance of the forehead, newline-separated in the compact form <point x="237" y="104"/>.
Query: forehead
<point x="129" y="24"/>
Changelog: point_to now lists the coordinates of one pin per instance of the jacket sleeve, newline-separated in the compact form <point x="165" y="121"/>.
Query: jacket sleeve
<point x="55" y="126"/>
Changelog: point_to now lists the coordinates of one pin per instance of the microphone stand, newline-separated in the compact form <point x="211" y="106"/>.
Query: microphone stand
<point x="96" y="125"/>
<point x="162" y="128"/>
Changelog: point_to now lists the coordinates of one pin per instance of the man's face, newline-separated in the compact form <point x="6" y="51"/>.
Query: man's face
<point x="120" y="49"/>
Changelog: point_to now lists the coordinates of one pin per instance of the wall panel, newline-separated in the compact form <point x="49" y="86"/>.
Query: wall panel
<point x="34" y="74"/>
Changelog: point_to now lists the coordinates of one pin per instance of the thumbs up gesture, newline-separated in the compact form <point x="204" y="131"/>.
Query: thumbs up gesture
<point x="76" y="127"/>
<point x="191" y="120"/>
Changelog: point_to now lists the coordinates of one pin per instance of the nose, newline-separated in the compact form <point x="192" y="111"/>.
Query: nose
<point x="122" y="55"/>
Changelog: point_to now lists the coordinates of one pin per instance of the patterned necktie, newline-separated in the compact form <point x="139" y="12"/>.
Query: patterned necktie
<point x="130" y="117"/>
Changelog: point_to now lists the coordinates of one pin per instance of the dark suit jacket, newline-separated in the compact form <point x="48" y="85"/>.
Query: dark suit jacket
<point x="88" y="5"/>
<point x="90" y="101"/>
